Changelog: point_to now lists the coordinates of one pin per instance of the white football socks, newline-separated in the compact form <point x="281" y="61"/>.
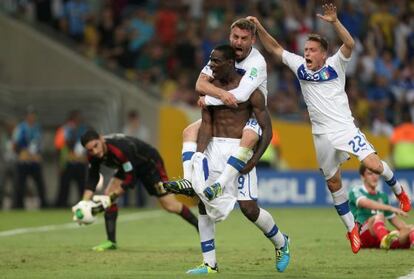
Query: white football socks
<point x="267" y="225"/>
<point x="340" y="199"/>
<point x="206" y="227"/>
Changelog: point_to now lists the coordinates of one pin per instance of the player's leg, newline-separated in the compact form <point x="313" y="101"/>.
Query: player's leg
<point x="152" y="182"/>
<point x="183" y="186"/>
<point x="190" y="134"/>
<point x="376" y="165"/>
<point x="247" y="194"/>
<point x="377" y="228"/>
<point x="329" y="159"/>
<point x="405" y="239"/>
<point x="111" y="215"/>
<point x="206" y="228"/>
<point x="170" y="204"/>
<point x="237" y="160"/>
<point x="340" y="199"/>
<point x="265" y="222"/>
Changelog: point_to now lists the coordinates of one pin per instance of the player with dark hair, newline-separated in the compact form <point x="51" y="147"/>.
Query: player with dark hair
<point x="252" y="65"/>
<point x="371" y="208"/>
<point x="134" y="160"/>
<point x="322" y="81"/>
<point x="219" y="137"/>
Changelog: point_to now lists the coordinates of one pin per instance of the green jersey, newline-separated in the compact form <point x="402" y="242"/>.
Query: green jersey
<point x="363" y="214"/>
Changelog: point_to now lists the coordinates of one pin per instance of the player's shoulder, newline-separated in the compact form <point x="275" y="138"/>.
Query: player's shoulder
<point x="255" y="58"/>
<point x="337" y="56"/>
<point x="357" y="190"/>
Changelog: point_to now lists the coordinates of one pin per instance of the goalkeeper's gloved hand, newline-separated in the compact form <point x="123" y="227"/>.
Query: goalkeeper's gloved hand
<point x="104" y="200"/>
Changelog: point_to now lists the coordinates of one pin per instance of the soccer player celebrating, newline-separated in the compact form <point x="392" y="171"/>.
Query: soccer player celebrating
<point x="370" y="208"/>
<point x="134" y="160"/>
<point x="226" y="125"/>
<point x="322" y="80"/>
<point x="252" y="65"/>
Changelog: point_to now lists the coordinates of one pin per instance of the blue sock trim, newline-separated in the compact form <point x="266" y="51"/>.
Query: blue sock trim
<point x="236" y="163"/>
<point x="342" y="208"/>
<point x="392" y="181"/>
<point x="187" y="155"/>
<point x="272" y="232"/>
<point x="208" y="246"/>
<point x="205" y="169"/>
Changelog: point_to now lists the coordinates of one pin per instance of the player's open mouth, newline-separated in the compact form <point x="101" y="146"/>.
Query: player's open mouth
<point x="308" y="62"/>
<point x="238" y="50"/>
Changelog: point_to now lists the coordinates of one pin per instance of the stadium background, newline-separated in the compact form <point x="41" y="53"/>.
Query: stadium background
<point x="56" y="71"/>
<point x="58" y="62"/>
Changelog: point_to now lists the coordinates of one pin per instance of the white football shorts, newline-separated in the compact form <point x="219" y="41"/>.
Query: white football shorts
<point x="332" y="149"/>
<point x="243" y="186"/>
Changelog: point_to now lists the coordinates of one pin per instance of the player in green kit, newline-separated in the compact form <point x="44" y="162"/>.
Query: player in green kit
<point x="371" y="208"/>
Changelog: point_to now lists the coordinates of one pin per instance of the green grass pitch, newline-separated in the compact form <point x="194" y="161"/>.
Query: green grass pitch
<point x="155" y="244"/>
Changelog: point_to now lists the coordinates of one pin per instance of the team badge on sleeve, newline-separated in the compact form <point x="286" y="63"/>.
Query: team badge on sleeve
<point x="127" y="166"/>
<point x="253" y="73"/>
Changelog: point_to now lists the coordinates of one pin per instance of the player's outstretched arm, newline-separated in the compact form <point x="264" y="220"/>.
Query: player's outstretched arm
<point x="329" y="15"/>
<point x="269" y="43"/>
<point x="205" y="87"/>
<point x="374" y="205"/>
<point x="263" y="118"/>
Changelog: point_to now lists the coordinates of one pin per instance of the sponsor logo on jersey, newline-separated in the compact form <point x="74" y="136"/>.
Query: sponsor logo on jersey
<point x="325" y="74"/>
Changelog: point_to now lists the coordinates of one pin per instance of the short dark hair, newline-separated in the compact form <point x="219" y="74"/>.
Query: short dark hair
<point x="362" y="169"/>
<point x="228" y="52"/>
<point x="318" y="38"/>
<point x="244" y="24"/>
<point x="88" y="136"/>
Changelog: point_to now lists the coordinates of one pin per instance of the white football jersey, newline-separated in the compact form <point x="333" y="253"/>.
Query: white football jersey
<point x="254" y="71"/>
<point x="323" y="92"/>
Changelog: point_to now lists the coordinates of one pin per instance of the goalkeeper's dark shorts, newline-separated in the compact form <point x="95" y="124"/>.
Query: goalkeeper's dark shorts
<point x="151" y="176"/>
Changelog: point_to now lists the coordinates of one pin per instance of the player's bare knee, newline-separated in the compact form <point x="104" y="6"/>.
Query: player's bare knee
<point x="249" y="139"/>
<point x="379" y="218"/>
<point x="373" y="163"/>
<point x="170" y="204"/>
<point x="171" y="207"/>
<point x="191" y="131"/>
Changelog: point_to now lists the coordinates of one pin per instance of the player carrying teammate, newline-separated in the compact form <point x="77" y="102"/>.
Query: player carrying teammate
<point x="252" y="65"/>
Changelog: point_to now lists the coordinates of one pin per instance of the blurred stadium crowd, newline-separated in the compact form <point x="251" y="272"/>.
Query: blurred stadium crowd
<point x="164" y="44"/>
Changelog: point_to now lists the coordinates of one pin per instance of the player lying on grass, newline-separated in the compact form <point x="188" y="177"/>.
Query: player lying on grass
<point x="370" y="208"/>
<point x="134" y="160"/>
